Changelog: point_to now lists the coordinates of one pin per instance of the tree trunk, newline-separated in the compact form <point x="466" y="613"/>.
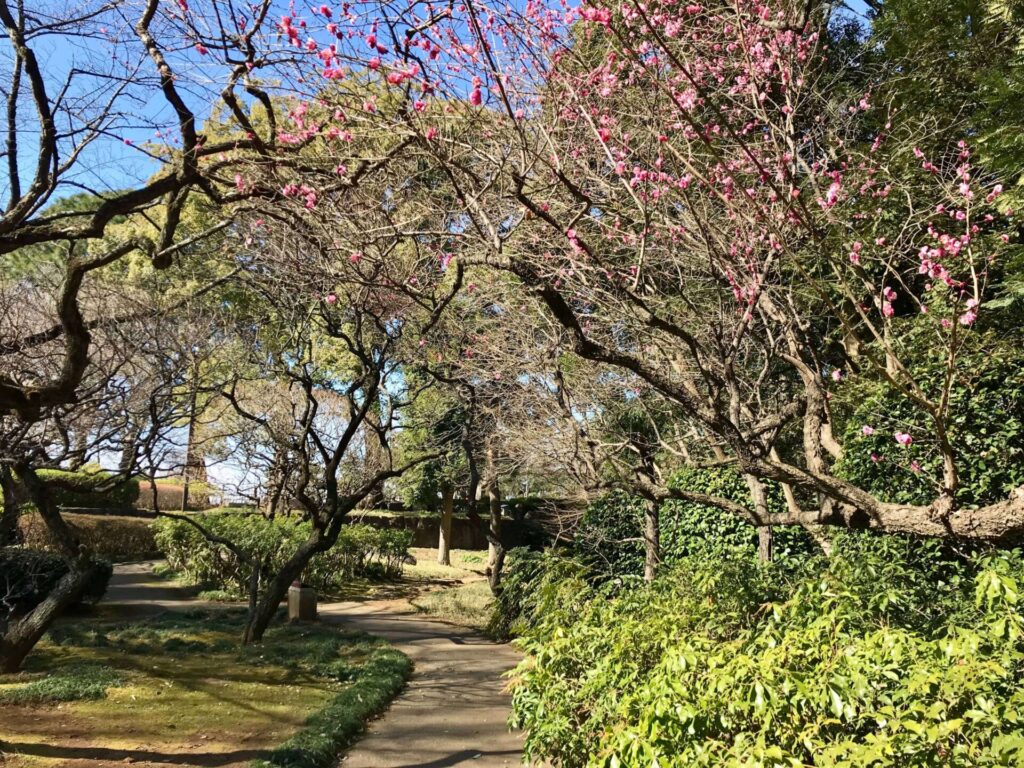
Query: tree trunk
<point x="9" y="533"/>
<point x="131" y="440"/>
<point x="22" y="635"/>
<point x="494" y="579"/>
<point x="652" y="539"/>
<point x="444" y="541"/>
<point x="495" y="549"/>
<point x="765" y="544"/>
<point x="376" y="454"/>
<point x="278" y="477"/>
<point x="763" y="515"/>
<point x="277" y="587"/>
<point x="195" y="464"/>
<point x="78" y="450"/>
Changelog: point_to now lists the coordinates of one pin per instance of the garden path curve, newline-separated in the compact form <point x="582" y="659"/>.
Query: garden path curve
<point x="453" y="711"/>
<point x="455" y="708"/>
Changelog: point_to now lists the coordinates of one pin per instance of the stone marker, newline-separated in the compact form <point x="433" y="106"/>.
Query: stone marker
<point x="301" y="603"/>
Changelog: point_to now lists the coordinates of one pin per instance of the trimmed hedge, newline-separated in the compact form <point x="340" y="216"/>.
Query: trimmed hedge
<point x="89" y="488"/>
<point x="116" y="538"/>
<point x="168" y="496"/>
<point x="610" y="536"/>
<point x="327" y="732"/>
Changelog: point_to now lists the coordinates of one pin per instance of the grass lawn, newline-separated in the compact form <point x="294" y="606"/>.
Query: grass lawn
<point x="466" y="563"/>
<point x="458" y="594"/>
<point x="176" y="688"/>
<point x="468" y="605"/>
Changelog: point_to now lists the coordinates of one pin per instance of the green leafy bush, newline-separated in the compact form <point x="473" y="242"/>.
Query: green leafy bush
<point x="535" y="583"/>
<point x="610" y="536"/>
<point x="892" y="652"/>
<point x="27" y="576"/>
<point x="361" y="551"/>
<point x="986" y="430"/>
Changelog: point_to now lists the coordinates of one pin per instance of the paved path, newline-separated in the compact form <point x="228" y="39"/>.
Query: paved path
<point x="134" y="588"/>
<point x="455" y="709"/>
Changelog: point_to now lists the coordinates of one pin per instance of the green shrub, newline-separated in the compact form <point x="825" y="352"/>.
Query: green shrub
<point x="112" y="537"/>
<point x="610" y="536"/>
<point x="891" y="652"/>
<point x="535" y="583"/>
<point x="27" y="576"/>
<point x="361" y="551"/>
<point x="89" y="488"/>
<point x="986" y="429"/>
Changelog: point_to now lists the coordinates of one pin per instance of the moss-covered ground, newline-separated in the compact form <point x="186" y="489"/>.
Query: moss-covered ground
<point x="178" y="688"/>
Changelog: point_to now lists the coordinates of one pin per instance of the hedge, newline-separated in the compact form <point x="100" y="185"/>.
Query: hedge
<point x="89" y="488"/>
<point x="116" y="538"/>
<point x="360" y="552"/>
<point x="610" y="536"/>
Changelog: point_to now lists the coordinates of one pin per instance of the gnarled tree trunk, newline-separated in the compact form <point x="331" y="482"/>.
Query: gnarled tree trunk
<point x="276" y="589"/>
<point x="495" y="549"/>
<point x="21" y="635"/>
<point x="9" y="533"/>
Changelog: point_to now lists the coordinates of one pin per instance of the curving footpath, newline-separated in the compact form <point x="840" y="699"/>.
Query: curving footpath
<point x="453" y="711"/>
<point x="455" y="708"/>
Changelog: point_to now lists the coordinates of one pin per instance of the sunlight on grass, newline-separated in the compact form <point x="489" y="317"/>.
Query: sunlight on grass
<point x="179" y="689"/>
<point x="465" y="563"/>
<point x="467" y="605"/>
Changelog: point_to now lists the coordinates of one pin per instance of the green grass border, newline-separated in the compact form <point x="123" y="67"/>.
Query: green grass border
<point x="336" y="726"/>
<point x="76" y="682"/>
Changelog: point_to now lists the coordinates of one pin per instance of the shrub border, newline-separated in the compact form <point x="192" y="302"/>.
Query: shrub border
<point x="330" y="730"/>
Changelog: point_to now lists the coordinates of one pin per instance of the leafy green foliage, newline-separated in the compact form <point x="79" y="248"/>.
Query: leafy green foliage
<point x="80" y="682"/>
<point x="986" y="430"/>
<point x="610" y="536"/>
<point x="533" y="584"/>
<point x="892" y="652"/>
<point x="689" y="528"/>
<point x="75" y="683"/>
<point x="361" y="551"/>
